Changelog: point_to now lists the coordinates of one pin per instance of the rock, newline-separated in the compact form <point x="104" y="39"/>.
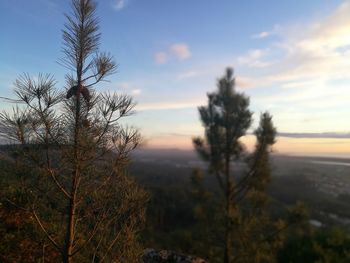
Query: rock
<point x="167" y="256"/>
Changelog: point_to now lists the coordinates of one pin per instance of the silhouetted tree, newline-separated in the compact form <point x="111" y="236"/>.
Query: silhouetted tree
<point x="249" y="233"/>
<point x="75" y="152"/>
<point x="226" y="119"/>
<point x="258" y="236"/>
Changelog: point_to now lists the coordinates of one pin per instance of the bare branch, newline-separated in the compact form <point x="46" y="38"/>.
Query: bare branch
<point x="45" y="231"/>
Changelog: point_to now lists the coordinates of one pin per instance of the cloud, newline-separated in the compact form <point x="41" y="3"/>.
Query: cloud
<point x="169" y="105"/>
<point x="160" y="58"/>
<point x="188" y="74"/>
<point x="244" y="82"/>
<point x="305" y="56"/>
<point x="303" y="73"/>
<point x="136" y="92"/>
<point x="317" y="49"/>
<point x="262" y="34"/>
<point x="181" y="51"/>
<point x="127" y="87"/>
<point x="119" y="4"/>
<point x="323" y="135"/>
<point x="177" y="51"/>
<point x="254" y="58"/>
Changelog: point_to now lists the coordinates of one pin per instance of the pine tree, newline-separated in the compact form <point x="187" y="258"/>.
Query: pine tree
<point x="74" y="152"/>
<point x="249" y="233"/>
<point x="225" y="120"/>
<point x="259" y="237"/>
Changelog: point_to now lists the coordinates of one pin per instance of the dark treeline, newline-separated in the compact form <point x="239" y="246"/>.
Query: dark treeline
<point x="178" y="220"/>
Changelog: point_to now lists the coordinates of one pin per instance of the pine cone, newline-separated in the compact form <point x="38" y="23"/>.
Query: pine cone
<point x="86" y="93"/>
<point x="72" y="91"/>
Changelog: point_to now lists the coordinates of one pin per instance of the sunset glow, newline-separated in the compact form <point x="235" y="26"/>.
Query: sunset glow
<point x="292" y="60"/>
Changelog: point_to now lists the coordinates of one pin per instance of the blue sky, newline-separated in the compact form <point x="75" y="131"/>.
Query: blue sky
<point x="291" y="57"/>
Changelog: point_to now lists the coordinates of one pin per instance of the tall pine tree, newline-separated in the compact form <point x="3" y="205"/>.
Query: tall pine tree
<point x="248" y="230"/>
<point x="258" y="237"/>
<point x="226" y="119"/>
<point x="75" y="150"/>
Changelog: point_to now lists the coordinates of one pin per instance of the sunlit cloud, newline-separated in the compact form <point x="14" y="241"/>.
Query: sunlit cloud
<point x="166" y="141"/>
<point x="299" y="75"/>
<point x="177" y="51"/>
<point x="265" y="34"/>
<point x="313" y="146"/>
<point x="320" y="48"/>
<point x="125" y="88"/>
<point x="160" y="58"/>
<point x="305" y="73"/>
<point x="262" y="34"/>
<point x="325" y="135"/>
<point x="119" y="4"/>
<point x="181" y="51"/>
<point x="254" y="58"/>
<point x="244" y="82"/>
<point x="169" y="105"/>
<point x="136" y="92"/>
<point x="188" y="74"/>
<point x="284" y="145"/>
<point x="123" y="85"/>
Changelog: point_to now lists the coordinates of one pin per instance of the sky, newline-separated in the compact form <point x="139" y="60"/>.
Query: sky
<point x="292" y="58"/>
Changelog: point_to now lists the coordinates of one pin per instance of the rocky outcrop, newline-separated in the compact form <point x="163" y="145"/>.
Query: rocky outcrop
<point x="167" y="256"/>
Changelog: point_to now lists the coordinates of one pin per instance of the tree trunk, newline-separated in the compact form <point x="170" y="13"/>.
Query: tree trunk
<point x="67" y="257"/>
<point x="228" y="225"/>
<point x="70" y="235"/>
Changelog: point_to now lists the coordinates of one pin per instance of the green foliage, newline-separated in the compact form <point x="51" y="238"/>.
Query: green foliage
<point x="225" y="119"/>
<point x="21" y="240"/>
<point x="258" y="236"/>
<point x="71" y="153"/>
<point x="331" y="245"/>
<point x="249" y="233"/>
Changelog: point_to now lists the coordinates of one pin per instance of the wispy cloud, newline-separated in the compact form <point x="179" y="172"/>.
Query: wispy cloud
<point x="254" y="58"/>
<point x="303" y="73"/>
<point x="161" y="57"/>
<point x="265" y="34"/>
<point x="119" y="4"/>
<point x="320" y="48"/>
<point x="309" y="63"/>
<point x="262" y="34"/>
<point x="180" y="51"/>
<point x="177" y="51"/>
<point x="325" y="135"/>
<point x="170" y="105"/>
<point x="188" y="74"/>
<point x="244" y="82"/>
<point x="136" y="92"/>
<point x="126" y="87"/>
<point x="123" y="85"/>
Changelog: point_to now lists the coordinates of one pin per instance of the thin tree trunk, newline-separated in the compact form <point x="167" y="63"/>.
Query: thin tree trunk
<point x="227" y="196"/>
<point x="67" y="255"/>
<point x="227" y="228"/>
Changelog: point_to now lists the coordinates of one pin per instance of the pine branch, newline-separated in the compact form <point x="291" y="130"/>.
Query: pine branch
<point x="45" y="231"/>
